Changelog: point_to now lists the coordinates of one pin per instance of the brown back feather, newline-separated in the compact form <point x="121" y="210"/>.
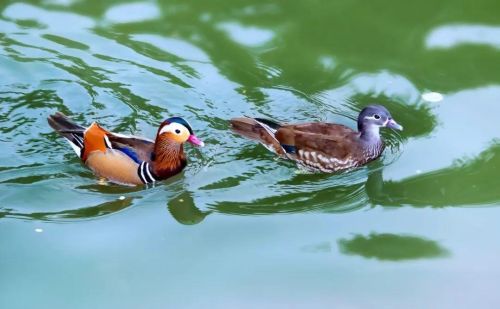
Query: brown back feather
<point x="332" y="140"/>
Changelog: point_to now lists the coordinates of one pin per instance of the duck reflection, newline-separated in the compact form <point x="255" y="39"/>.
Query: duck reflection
<point x="84" y="213"/>
<point x="392" y="247"/>
<point x="183" y="209"/>
<point x="469" y="182"/>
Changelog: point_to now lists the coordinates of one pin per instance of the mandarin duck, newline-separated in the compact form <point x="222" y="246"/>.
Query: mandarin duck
<point x="129" y="160"/>
<point x="324" y="147"/>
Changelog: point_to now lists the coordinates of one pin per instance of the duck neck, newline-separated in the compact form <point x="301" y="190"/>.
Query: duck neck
<point x="168" y="158"/>
<point x="370" y="134"/>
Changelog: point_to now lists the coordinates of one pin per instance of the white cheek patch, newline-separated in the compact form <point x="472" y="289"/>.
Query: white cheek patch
<point x="172" y="127"/>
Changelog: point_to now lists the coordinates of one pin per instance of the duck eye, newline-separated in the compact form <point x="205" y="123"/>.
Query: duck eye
<point x="376" y="116"/>
<point x="177" y="131"/>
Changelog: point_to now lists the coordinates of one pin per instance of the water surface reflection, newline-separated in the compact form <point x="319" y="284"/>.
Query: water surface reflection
<point x="392" y="247"/>
<point x="183" y="209"/>
<point x="96" y="61"/>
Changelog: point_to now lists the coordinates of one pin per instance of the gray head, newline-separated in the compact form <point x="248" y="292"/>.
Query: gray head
<point x="372" y="117"/>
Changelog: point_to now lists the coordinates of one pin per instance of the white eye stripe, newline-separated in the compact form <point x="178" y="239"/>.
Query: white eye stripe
<point x="172" y="127"/>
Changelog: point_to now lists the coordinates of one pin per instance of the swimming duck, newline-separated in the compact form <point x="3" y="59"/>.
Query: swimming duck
<point x="125" y="159"/>
<point x="324" y="147"/>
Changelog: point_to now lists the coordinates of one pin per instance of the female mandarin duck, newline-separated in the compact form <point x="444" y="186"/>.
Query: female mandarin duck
<point x="126" y="159"/>
<point x="324" y="147"/>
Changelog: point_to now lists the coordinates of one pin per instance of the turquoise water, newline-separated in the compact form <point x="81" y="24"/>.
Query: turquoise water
<point x="239" y="228"/>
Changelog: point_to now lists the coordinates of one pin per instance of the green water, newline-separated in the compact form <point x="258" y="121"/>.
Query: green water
<point x="239" y="228"/>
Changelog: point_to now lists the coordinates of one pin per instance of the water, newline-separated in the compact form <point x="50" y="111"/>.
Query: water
<point x="239" y="228"/>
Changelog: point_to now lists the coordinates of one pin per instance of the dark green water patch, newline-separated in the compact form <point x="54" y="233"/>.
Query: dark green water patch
<point x="392" y="247"/>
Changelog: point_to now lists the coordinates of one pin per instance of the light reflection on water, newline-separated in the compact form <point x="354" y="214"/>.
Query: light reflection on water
<point x="451" y="36"/>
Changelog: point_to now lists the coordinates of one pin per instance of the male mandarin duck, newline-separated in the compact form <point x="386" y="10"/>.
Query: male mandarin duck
<point x="129" y="160"/>
<point x="324" y="147"/>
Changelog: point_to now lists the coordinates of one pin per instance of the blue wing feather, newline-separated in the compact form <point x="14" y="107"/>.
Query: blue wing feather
<point x="289" y="148"/>
<point x="131" y="153"/>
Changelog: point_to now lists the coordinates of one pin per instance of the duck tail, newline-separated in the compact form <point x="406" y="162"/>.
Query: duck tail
<point x="270" y="123"/>
<point x="261" y="130"/>
<point x="63" y="125"/>
<point x="68" y="129"/>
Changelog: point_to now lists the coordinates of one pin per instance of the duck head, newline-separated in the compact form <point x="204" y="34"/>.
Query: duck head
<point x="177" y="130"/>
<point x="372" y="117"/>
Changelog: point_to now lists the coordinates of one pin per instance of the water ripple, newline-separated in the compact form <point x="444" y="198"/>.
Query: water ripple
<point x="131" y="72"/>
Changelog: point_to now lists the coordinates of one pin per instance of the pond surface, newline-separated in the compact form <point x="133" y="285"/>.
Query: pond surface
<point x="239" y="228"/>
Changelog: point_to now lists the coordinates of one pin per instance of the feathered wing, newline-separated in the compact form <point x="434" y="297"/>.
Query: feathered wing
<point x="329" y="130"/>
<point x="139" y="149"/>
<point x="322" y="146"/>
<point x="329" y="139"/>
